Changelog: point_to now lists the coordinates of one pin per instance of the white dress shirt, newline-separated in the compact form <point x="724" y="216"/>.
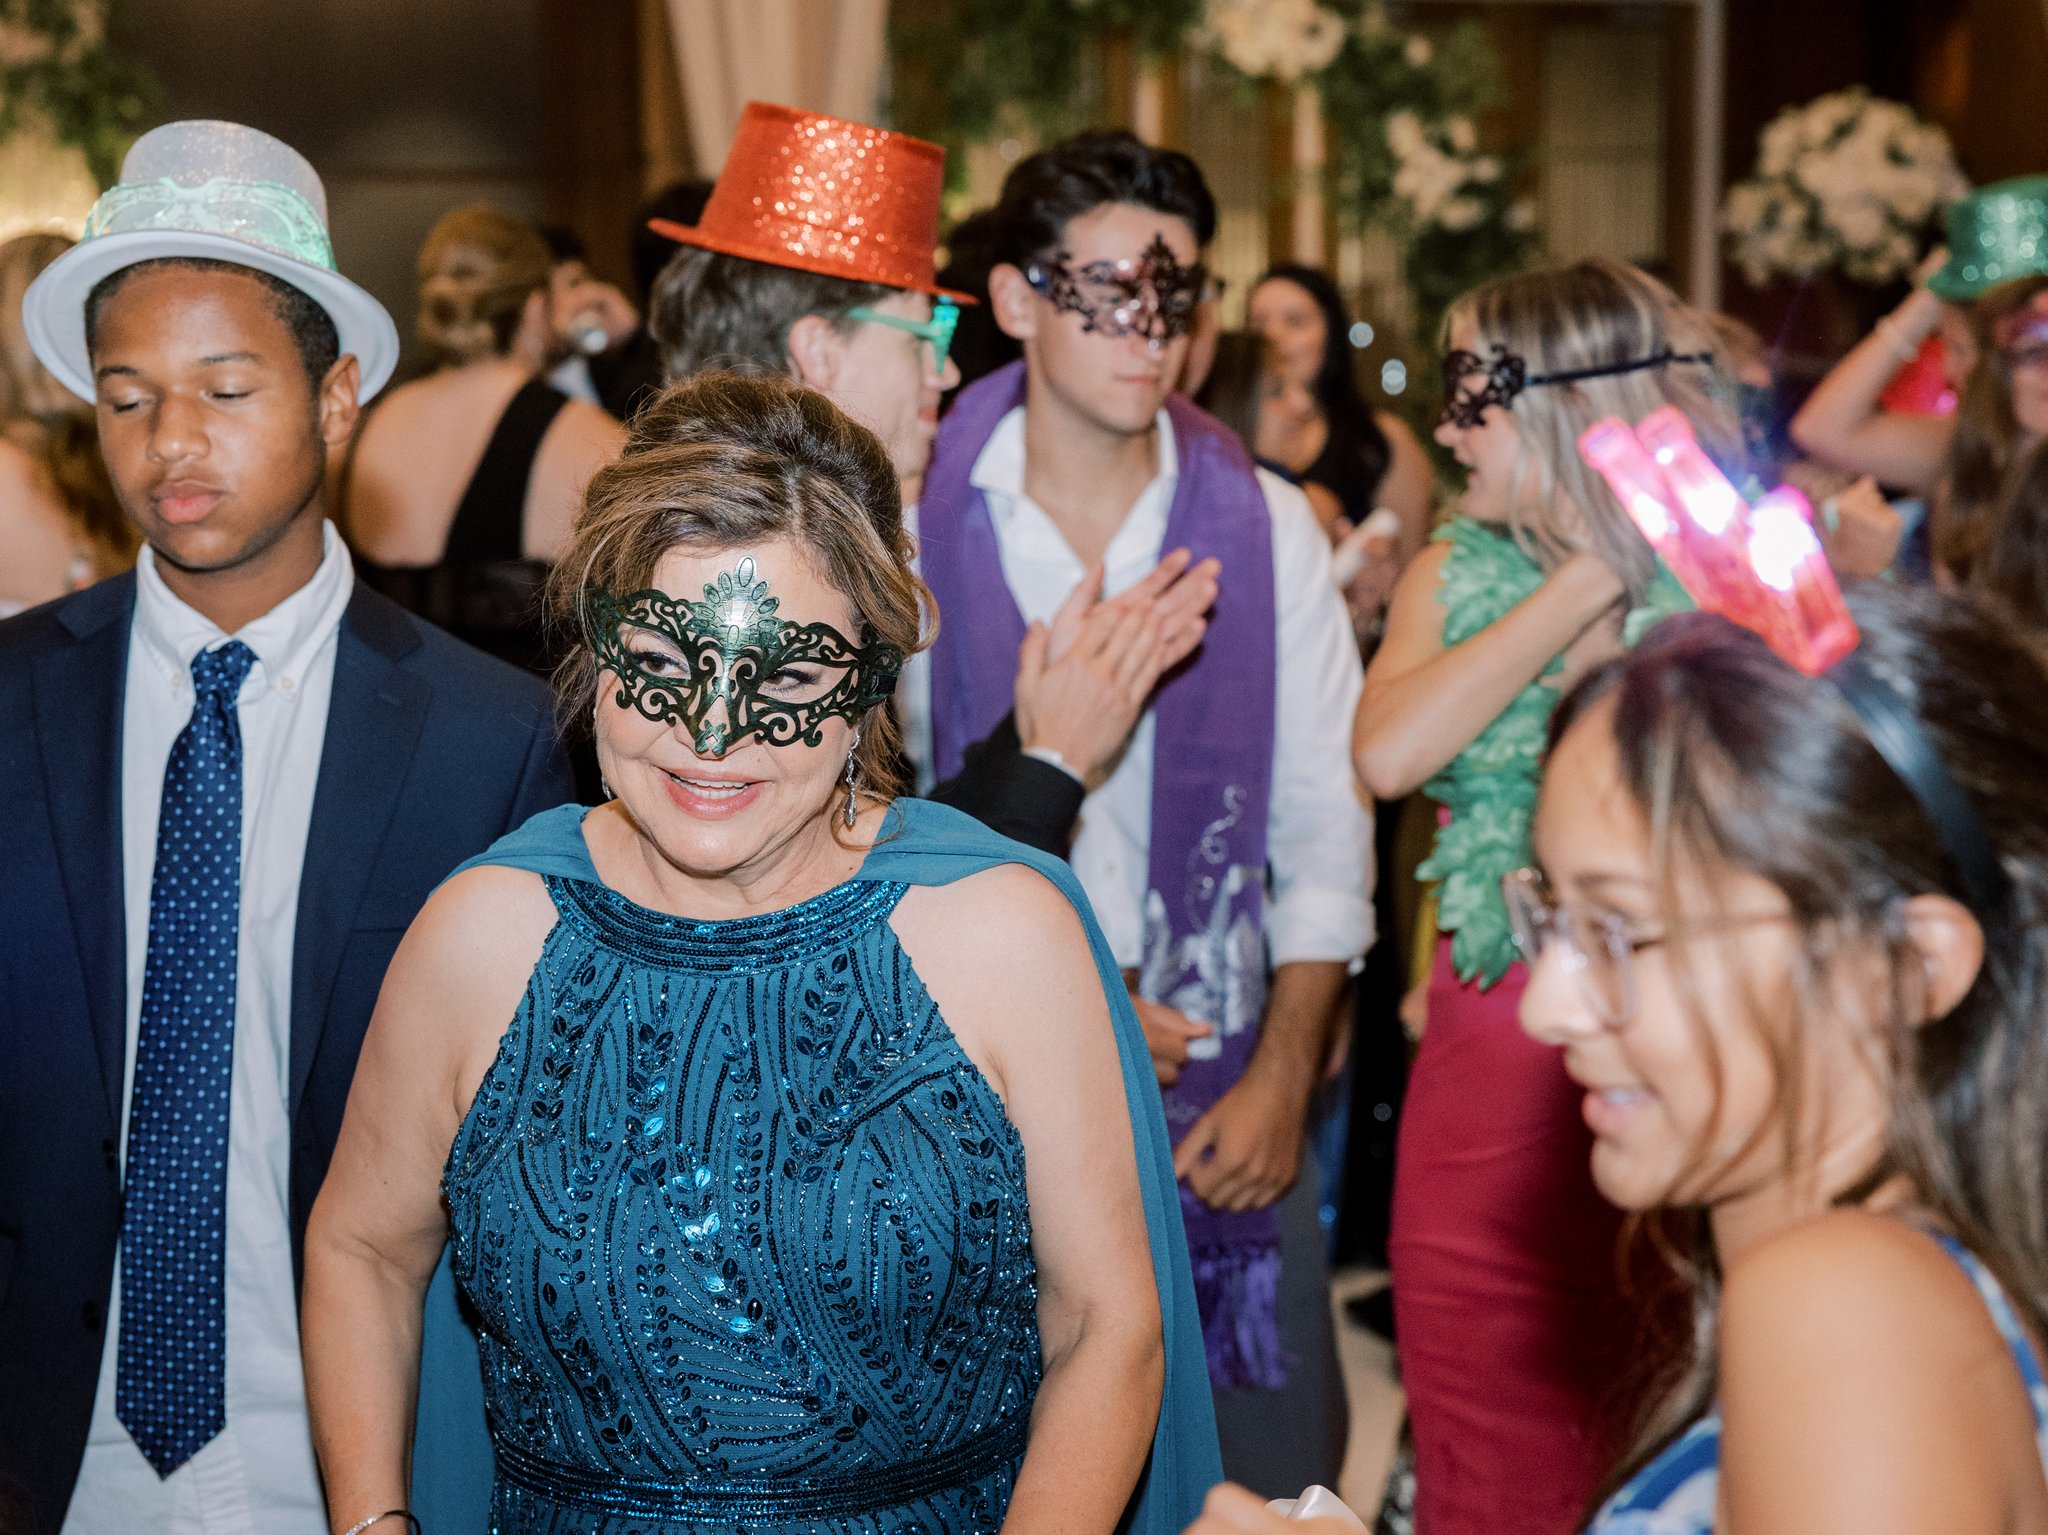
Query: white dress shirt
<point x="1319" y="828"/>
<point x="257" y="1477"/>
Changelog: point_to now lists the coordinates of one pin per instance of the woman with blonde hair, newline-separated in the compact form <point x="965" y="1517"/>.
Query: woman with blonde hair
<point x="462" y="485"/>
<point x="1511" y="1328"/>
<point x="60" y="526"/>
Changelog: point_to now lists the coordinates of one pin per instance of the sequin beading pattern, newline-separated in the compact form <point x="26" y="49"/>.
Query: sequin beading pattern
<point x="746" y="1234"/>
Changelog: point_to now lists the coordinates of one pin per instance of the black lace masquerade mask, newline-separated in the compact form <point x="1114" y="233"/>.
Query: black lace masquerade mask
<point x="1506" y="374"/>
<point x="676" y="659"/>
<point x="1153" y="296"/>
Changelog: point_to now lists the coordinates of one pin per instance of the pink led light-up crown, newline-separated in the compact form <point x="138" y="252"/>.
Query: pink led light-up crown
<point x="1759" y="566"/>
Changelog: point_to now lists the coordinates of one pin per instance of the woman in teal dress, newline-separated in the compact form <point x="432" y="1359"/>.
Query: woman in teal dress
<point x="1514" y="1340"/>
<point x="817" y="1183"/>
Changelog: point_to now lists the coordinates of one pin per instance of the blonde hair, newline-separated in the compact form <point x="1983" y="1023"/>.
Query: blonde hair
<point x="725" y="460"/>
<point x="1587" y="315"/>
<point x="477" y="269"/>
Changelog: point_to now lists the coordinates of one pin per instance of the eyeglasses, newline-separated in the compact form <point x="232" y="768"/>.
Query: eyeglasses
<point x="1599" y="948"/>
<point x="938" y="330"/>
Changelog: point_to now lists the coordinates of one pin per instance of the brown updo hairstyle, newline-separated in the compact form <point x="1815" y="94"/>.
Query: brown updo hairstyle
<point x="724" y="461"/>
<point x="477" y="269"/>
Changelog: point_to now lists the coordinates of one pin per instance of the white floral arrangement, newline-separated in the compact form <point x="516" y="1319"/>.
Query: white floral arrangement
<point x="1440" y="176"/>
<point x="1850" y="181"/>
<point x="1272" y="39"/>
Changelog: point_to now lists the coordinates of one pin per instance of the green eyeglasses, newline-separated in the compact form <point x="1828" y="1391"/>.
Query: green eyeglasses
<point x="938" y="330"/>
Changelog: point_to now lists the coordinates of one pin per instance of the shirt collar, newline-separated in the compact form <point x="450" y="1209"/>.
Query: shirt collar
<point x="285" y="640"/>
<point x="999" y="467"/>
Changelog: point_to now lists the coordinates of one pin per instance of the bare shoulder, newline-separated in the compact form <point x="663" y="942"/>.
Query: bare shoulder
<point x="1004" y="956"/>
<point x="1859" y="1297"/>
<point x="995" y="917"/>
<point x="1425" y="572"/>
<point x="1415" y="618"/>
<point x="587" y="432"/>
<point x="476" y="940"/>
<point x="1842" y="1260"/>
<point x="1865" y="1387"/>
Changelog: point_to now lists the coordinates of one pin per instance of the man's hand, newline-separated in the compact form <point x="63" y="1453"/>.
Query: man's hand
<point x="1245" y="1152"/>
<point x="1083" y="679"/>
<point x="1167" y="1033"/>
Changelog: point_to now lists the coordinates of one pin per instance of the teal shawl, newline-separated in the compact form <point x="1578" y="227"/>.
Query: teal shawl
<point x="921" y="843"/>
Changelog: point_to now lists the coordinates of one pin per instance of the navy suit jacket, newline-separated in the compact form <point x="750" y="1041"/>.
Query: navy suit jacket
<point x="433" y="751"/>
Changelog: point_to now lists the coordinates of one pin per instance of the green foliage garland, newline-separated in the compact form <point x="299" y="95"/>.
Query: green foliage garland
<point x="960" y="63"/>
<point x="1401" y="107"/>
<point x="56" y="69"/>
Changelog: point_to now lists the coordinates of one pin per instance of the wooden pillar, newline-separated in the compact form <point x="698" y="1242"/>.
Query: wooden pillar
<point x="591" y="153"/>
<point x="664" y="128"/>
<point x="2004" y="131"/>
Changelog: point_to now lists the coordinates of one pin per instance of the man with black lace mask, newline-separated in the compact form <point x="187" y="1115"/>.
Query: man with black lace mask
<point x="1226" y="851"/>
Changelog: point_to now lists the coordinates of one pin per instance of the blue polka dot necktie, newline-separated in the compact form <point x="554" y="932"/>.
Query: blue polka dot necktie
<point x="170" y="1389"/>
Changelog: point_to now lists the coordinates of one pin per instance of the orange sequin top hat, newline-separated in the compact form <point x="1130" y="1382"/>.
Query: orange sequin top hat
<point x="825" y="195"/>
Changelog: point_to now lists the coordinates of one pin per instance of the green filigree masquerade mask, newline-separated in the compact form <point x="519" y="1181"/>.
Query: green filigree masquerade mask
<point x="675" y="660"/>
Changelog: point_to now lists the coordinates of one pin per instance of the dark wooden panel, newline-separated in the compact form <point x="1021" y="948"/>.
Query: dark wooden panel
<point x="591" y="152"/>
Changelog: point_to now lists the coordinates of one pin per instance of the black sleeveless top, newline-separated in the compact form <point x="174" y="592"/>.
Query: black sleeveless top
<point x="1351" y="469"/>
<point x="483" y="590"/>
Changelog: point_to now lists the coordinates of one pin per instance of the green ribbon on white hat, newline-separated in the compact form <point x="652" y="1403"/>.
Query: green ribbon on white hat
<point x="260" y="213"/>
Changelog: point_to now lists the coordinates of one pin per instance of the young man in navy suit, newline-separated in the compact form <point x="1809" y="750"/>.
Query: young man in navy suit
<point x="227" y="784"/>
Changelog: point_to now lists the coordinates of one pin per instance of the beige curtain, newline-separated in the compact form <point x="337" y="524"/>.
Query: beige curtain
<point x="824" y="55"/>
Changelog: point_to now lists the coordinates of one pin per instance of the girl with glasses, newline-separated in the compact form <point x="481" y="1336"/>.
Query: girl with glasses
<point x="1810" y="1047"/>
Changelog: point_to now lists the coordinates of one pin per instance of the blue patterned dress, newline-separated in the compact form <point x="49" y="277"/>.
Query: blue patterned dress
<point x="745" y="1233"/>
<point x="1675" y="1494"/>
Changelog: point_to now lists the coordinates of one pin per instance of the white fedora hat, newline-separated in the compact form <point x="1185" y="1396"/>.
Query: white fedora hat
<point x="215" y="190"/>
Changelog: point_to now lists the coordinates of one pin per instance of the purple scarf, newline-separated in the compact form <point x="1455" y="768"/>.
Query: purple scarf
<point x="1212" y="778"/>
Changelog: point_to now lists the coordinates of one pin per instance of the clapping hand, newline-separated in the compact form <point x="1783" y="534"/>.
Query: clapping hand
<point x="1083" y="679"/>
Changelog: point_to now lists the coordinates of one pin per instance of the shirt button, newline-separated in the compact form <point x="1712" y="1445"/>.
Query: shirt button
<point x="287" y="686"/>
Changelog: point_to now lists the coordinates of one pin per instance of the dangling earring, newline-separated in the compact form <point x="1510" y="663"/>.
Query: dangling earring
<point x="852" y="779"/>
<point x="607" y="788"/>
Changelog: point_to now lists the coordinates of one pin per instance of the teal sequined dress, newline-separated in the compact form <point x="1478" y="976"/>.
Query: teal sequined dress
<point x="746" y="1233"/>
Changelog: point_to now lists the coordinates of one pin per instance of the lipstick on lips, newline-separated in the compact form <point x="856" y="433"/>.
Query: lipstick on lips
<point x="709" y="797"/>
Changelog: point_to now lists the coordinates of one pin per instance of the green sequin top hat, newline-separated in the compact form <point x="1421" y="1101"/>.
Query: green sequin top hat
<point x="1997" y="233"/>
<point x="208" y="189"/>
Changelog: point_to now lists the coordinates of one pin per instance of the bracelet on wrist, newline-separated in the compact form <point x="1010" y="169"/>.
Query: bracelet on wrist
<point x="412" y="1524"/>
